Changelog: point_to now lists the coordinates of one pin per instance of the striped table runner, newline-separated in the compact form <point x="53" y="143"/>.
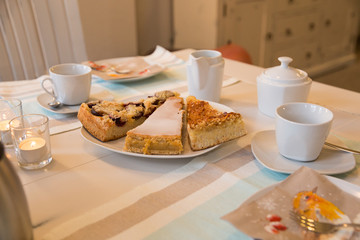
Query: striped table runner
<point x="187" y="203"/>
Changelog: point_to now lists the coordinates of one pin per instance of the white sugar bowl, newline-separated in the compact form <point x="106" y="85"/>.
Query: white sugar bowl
<point x="281" y="84"/>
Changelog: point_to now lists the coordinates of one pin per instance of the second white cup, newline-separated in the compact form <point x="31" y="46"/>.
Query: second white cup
<point x="301" y="130"/>
<point x="71" y="83"/>
<point x="205" y="71"/>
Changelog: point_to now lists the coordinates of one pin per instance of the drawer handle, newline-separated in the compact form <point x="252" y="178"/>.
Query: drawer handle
<point x="327" y="22"/>
<point x="288" y="32"/>
<point x="269" y="36"/>
<point x="311" y="26"/>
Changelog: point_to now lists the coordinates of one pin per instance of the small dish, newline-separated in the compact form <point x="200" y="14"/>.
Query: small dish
<point x="118" y="145"/>
<point x="145" y="70"/>
<point x="330" y="161"/>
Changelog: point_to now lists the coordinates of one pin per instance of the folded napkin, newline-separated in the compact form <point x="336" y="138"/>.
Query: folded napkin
<point x="257" y="216"/>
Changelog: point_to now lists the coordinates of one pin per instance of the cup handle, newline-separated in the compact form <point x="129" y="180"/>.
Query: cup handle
<point x="42" y="85"/>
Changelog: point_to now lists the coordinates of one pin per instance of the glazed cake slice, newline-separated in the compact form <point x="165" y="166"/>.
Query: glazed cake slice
<point x="161" y="133"/>
<point x="208" y="127"/>
<point x="109" y="120"/>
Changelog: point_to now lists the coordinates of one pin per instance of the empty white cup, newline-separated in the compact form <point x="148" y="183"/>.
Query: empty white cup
<point x="301" y="130"/>
<point x="70" y="82"/>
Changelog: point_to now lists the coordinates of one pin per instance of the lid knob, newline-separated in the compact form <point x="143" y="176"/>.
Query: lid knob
<point x="285" y="61"/>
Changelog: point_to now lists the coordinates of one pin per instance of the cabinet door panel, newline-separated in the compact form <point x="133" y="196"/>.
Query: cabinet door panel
<point x="336" y="27"/>
<point x="243" y="26"/>
<point x="303" y="55"/>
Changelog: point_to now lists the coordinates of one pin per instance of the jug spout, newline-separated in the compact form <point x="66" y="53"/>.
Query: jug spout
<point x="15" y="220"/>
<point x="198" y="71"/>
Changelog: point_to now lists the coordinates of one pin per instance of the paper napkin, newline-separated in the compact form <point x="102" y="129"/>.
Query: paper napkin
<point x="257" y="216"/>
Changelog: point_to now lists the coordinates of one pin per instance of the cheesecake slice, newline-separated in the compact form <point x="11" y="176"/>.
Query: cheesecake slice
<point x="208" y="127"/>
<point x="161" y="133"/>
<point x="110" y="120"/>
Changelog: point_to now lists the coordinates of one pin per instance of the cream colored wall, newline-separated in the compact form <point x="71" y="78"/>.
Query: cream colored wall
<point x="190" y="33"/>
<point x="154" y="24"/>
<point x="109" y="28"/>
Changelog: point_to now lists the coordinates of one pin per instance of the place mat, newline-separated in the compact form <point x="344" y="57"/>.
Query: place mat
<point x="28" y="91"/>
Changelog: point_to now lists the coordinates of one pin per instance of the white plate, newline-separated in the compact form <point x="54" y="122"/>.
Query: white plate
<point x="118" y="145"/>
<point x="264" y="147"/>
<point x="96" y="93"/>
<point x="154" y="69"/>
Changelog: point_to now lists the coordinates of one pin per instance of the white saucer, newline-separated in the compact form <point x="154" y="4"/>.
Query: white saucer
<point x="96" y="93"/>
<point x="44" y="99"/>
<point x="264" y="147"/>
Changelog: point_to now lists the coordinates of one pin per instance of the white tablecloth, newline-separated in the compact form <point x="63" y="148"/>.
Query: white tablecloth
<point x="92" y="193"/>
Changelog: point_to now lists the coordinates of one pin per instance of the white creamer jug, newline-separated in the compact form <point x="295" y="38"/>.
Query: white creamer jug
<point x="205" y="70"/>
<point x="281" y="84"/>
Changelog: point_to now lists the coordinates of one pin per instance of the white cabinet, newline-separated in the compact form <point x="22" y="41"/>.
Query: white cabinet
<point x="318" y="34"/>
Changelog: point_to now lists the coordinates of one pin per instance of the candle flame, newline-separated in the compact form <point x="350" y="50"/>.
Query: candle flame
<point x="33" y="144"/>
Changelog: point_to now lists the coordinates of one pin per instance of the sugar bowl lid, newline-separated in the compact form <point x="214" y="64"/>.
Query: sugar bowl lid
<point x="284" y="73"/>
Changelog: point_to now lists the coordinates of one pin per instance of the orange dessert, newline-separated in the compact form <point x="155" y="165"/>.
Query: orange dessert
<point x="311" y="205"/>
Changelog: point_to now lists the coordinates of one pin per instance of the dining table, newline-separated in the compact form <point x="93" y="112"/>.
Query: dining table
<point x="89" y="191"/>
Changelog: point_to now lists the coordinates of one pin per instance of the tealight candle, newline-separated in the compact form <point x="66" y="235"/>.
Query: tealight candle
<point x="4" y="125"/>
<point x="31" y="137"/>
<point x="5" y="132"/>
<point x="32" y="149"/>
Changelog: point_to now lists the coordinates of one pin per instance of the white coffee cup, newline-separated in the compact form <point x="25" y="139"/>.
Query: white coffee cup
<point x="70" y="82"/>
<point x="205" y="71"/>
<point x="301" y="130"/>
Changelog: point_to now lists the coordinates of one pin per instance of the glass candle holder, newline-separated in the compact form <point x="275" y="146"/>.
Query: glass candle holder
<point x="31" y="138"/>
<point x="9" y="109"/>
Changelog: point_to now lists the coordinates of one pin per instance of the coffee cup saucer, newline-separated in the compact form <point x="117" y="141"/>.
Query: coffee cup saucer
<point x="330" y="161"/>
<point x="44" y="98"/>
<point x="96" y="93"/>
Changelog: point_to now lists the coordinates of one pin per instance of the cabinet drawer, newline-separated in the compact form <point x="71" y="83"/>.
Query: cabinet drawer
<point x="281" y="5"/>
<point x="288" y="28"/>
<point x="303" y="55"/>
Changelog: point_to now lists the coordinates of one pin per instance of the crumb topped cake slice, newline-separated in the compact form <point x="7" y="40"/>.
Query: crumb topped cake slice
<point x="208" y="127"/>
<point x="110" y="120"/>
<point x="161" y="133"/>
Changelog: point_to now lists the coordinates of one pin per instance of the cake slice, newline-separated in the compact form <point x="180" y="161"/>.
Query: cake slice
<point x="208" y="127"/>
<point x="161" y="133"/>
<point x="110" y="120"/>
